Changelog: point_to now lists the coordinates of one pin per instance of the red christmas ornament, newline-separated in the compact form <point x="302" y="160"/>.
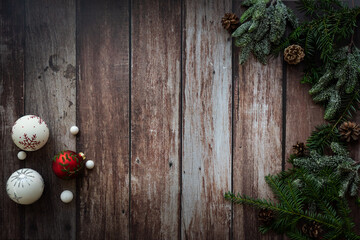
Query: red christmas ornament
<point x="68" y="164"/>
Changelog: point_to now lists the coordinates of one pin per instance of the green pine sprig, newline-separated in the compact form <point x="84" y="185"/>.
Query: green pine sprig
<point x="321" y="138"/>
<point x="262" y="27"/>
<point x="297" y="190"/>
<point x="321" y="36"/>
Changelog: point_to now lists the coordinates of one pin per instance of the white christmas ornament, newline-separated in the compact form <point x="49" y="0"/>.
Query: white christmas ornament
<point x="89" y="164"/>
<point x="66" y="196"/>
<point x="74" y="130"/>
<point x="21" y="155"/>
<point x="25" y="186"/>
<point x="30" y="133"/>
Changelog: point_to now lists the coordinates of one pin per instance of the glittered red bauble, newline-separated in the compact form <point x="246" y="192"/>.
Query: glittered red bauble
<point x="68" y="164"/>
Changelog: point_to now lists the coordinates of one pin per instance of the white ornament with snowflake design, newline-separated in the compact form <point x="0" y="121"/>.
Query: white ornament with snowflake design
<point x="30" y="133"/>
<point x="25" y="186"/>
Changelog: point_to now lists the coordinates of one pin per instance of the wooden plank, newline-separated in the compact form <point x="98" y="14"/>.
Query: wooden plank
<point x="155" y="119"/>
<point x="50" y="93"/>
<point x="206" y="171"/>
<point x="257" y="137"/>
<point x="11" y="108"/>
<point x="103" y="118"/>
<point x="302" y="114"/>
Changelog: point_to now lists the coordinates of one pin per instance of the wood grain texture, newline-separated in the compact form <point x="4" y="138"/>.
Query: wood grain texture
<point x="163" y="103"/>
<point x="257" y="137"/>
<point x="103" y="118"/>
<point x="155" y="101"/>
<point x="11" y="108"/>
<point x="302" y="114"/>
<point x="50" y="89"/>
<point x="206" y="167"/>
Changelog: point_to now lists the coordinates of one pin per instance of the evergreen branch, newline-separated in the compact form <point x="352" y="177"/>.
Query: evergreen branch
<point x="318" y="7"/>
<point x="275" y="186"/>
<point x="296" y="235"/>
<point x="351" y="107"/>
<point x="322" y="137"/>
<point x="262" y="27"/>
<point x="314" y="193"/>
<point x="338" y="24"/>
<point x="334" y="75"/>
<point x="325" y="134"/>
<point x="261" y="203"/>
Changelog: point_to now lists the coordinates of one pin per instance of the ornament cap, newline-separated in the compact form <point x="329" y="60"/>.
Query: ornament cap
<point x="82" y="155"/>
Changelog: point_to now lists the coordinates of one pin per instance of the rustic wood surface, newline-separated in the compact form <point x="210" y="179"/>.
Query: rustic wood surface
<point x="103" y="118"/>
<point x="11" y="107"/>
<point x="155" y="119"/>
<point x="257" y="136"/>
<point x="169" y="116"/>
<point x="50" y="92"/>
<point x="301" y="115"/>
<point x="206" y="163"/>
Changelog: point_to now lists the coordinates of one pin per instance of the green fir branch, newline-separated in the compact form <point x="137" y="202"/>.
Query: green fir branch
<point x="298" y="188"/>
<point x="262" y="27"/>
<point x="325" y="134"/>
<point x="263" y="203"/>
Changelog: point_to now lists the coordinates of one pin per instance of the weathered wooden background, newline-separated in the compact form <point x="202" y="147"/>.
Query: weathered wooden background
<point x="170" y="118"/>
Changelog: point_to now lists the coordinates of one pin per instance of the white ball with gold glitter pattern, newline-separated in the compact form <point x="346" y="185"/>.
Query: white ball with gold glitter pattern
<point x="30" y="133"/>
<point x="25" y="186"/>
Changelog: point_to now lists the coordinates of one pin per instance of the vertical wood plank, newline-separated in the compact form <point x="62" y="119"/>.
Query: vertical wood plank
<point x="103" y="118"/>
<point x="302" y="114"/>
<point x="11" y="108"/>
<point x="50" y="93"/>
<point x="206" y="172"/>
<point x="155" y="101"/>
<point x="257" y="137"/>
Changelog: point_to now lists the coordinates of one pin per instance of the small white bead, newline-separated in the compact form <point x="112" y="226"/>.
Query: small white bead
<point x="21" y="155"/>
<point x="74" y="130"/>
<point x="66" y="196"/>
<point x="90" y="164"/>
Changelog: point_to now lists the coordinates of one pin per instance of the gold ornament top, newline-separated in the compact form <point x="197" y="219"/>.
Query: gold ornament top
<point x="82" y="155"/>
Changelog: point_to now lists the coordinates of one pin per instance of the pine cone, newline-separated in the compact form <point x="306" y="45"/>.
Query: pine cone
<point x="312" y="230"/>
<point x="294" y="54"/>
<point x="299" y="149"/>
<point x="349" y="131"/>
<point x="266" y="216"/>
<point x="230" y="22"/>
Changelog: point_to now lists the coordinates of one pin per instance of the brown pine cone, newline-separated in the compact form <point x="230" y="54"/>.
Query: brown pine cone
<point x="266" y="216"/>
<point x="349" y="131"/>
<point x="299" y="149"/>
<point x="312" y="230"/>
<point x="230" y="22"/>
<point x="294" y="54"/>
